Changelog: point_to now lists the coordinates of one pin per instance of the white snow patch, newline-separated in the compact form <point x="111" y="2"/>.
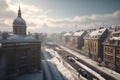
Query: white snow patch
<point x="115" y="38"/>
<point x="58" y="48"/>
<point x="68" y="34"/>
<point x="59" y="64"/>
<point x="78" y="33"/>
<point x="96" y="34"/>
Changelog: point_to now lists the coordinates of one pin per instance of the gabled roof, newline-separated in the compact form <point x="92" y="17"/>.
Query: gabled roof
<point x="95" y="34"/>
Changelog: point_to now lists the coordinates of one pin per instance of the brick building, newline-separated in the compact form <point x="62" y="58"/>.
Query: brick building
<point x="19" y="53"/>
<point x="20" y="56"/>
<point x="93" y="43"/>
<point x="112" y="50"/>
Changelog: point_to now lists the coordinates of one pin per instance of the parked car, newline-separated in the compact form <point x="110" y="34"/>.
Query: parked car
<point x="71" y="59"/>
<point x="76" y="58"/>
<point x="83" y="72"/>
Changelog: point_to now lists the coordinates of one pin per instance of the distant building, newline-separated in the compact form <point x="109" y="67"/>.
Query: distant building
<point x="112" y="50"/>
<point x="19" y="53"/>
<point x="77" y="39"/>
<point x="66" y="37"/>
<point x="93" y="43"/>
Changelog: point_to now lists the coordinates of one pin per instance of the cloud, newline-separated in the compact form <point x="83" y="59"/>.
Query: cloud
<point x="6" y="16"/>
<point x="27" y="9"/>
<point x="38" y="19"/>
<point x="94" y="20"/>
<point x="5" y="12"/>
<point x="33" y="15"/>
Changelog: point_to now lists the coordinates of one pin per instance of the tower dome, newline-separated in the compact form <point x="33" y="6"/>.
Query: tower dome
<point x="19" y="21"/>
<point x="19" y="24"/>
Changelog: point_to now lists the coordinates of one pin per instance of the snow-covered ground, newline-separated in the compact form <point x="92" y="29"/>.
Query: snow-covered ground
<point x="50" y="69"/>
<point x="67" y="74"/>
<point x="93" y="63"/>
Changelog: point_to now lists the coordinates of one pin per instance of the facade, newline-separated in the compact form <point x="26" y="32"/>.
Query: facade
<point x="93" y="43"/>
<point x="19" y="53"/>
<point x="66" y="37"/>
<point x="81" y="40"/>
<point x="77" y="39"/>
<point x="21" y="56"/>
<point x="112" y="50"/>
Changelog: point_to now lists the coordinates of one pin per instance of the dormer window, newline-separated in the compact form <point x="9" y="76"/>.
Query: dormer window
<point x="112" y="41"/>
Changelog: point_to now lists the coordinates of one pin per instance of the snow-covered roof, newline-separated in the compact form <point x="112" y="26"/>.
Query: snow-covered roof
<point x="15" y="37"/>
<point x="96" y="33"/>
<point x="115" y="38"/>
<point x="20" y="37"/>
<point x="30" y="38"/>
<point x="116" y="32"/>
<point x="78" y="33"/>
<point x="68" y="34"/>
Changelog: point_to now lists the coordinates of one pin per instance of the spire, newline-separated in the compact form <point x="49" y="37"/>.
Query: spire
<point x="19" y="12"/>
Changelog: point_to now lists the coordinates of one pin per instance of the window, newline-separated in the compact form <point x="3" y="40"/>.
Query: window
<point x="21" y="54"/>
<point x="105" y="50"/>
<point x="34" y="60"/>
<point x="95" y="50"/>
<point x="118" y="42"/>
<point x="117" y="51"/>
<point x="21" y="61"/>
<point x="111" y="50"/>
<point x="110" y="57"/>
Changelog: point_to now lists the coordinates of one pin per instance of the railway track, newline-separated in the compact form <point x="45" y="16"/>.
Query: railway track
<point x="64" y="53"/>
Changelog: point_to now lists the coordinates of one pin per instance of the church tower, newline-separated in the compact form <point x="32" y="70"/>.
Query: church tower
<point x="19" y="25"/>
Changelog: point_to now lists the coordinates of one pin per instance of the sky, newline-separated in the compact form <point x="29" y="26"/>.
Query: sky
<point x="51" y="16"/>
